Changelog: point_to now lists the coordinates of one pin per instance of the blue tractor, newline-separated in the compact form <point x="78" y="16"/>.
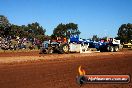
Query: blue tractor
<point x="110" y="45"/>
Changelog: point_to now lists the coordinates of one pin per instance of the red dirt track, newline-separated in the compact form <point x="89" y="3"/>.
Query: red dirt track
<point x="60" y="71"/>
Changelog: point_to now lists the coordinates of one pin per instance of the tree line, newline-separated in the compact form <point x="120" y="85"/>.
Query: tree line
<point x="35" y="30"/>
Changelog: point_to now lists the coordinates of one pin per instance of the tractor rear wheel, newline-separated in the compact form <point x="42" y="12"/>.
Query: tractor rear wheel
<point x="64" y="48"/>
<point x="108" y="48"/>
<point x="50" y="50"/>
<point x="116" y="48"/>
<point x="111" y="48"/>
<point x="42" y="51"/>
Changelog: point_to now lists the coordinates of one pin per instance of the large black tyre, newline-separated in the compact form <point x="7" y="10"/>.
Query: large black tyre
<point x="108" y="48"/>
<point x="116" y="48"/>
<point x="111" y="49"/>
<point x="64" y="48"/>
<point x="101" y="49"/>
<point x="50" y="50"/>
<point x="43" y="51"/>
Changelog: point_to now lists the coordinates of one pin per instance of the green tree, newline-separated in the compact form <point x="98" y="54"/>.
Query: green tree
<point x="36" y="29"/>
<point x="4" y="26"/>
<point x="33" y="30"/>
<point x="65" y="30"/>
<point x="17" y="30"/>
<point x="60" y="31"/>
<point x="95" y="38"/>
<point x="4" y="22"/>
<point x="72" y="29"/>
<point x="125" y="33"/>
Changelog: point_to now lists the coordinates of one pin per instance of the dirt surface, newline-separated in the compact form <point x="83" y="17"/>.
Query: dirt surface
<point x="31" y="70"/>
